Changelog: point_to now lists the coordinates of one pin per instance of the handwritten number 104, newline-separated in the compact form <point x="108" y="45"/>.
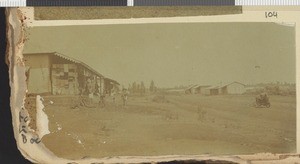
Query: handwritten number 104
<point x="271" y="14"/>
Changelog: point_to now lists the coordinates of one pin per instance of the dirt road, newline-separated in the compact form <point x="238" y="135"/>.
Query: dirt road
<point x="179" y="124"/>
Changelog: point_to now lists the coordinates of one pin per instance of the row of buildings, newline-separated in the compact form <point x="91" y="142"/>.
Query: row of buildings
<point x="230" y="88"/>
<point x="57" y="74"/>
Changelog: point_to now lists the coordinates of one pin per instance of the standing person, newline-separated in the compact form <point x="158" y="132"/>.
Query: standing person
<point x="113" y="95"/>
<point x="124" y="96"/>
<point x="90" y="90"/>
<point x="102" y="100"/>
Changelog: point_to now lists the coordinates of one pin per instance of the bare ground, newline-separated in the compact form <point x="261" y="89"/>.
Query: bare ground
<point x="180" y="124"/>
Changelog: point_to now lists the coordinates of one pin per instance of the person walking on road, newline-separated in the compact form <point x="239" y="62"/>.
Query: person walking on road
<point x="124" y="97"/>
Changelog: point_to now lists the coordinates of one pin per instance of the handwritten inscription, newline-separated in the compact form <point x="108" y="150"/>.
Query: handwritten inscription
<point x="23" y="128"/>
<point x="271" y="14"/>
<point x="35" y="140"/>
<point x="23" y="118"/>
<point x="24" y="138"/>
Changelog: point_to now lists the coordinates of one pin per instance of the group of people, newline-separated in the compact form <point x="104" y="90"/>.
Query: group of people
<point x="88" y="101"/>
<point x="113" y="95"/>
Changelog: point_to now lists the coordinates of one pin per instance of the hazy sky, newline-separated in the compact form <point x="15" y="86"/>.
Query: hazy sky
<point x="176" y="54"/>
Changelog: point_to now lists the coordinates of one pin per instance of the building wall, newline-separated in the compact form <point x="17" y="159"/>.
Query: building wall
<point x="64" y="79"/>
<point x="224" y="90"/>
<point x="208" y="91"/>
<point x="236" y="88"/>
<point x="200" y="89"/>
<point x="108" y="86"/>
<point x="38" y="73"/>
<point x="194" y="90"/>
<point x="100" y="85"/>
<point x="91" y="81"/>
<point x="191" y="90"/>
<point x="102" y="88"/>
<point x="214" y="91"/>
<point x="51" y="74"/>
<point x="74" y="79"/>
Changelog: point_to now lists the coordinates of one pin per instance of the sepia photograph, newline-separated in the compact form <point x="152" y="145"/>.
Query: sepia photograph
<point x="219" y="88"/>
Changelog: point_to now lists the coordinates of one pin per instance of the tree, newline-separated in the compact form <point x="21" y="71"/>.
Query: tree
<point x="138" y="88"/>
<point x="143" y="88"/>
<point x="134" y="87"/>
<point x="152" y="87"/>
<point x="129" y="88"/>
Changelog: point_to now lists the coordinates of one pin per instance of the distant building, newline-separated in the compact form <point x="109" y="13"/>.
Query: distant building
<point x="213" y="90"/>
<point x="196" y="89"/>
<point x="190" y="89"/>
<point x="231" y="88"/>
<point x="57" y="74"/>
<point x="111" y="86"/>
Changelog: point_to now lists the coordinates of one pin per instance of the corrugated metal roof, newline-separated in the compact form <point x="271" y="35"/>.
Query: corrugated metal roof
<point x="218" y="87"/>
<point x="213" y="87"/>
<point x="231" y="83"/>
<point x="114" y="81"/>
<point x="65" y="57"/>
<point x="78" y="62"/>
<point x="190" y="87"/>
<point x="201" y="86"/>
<point x="197" y="85"/>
